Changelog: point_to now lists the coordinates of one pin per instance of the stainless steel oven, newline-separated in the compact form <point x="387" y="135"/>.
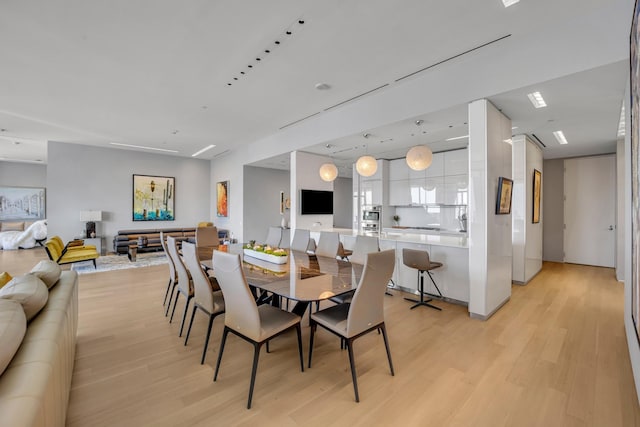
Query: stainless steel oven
<point x="370" y="223"/>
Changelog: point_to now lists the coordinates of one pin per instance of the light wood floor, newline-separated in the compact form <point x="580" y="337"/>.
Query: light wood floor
<point x="555" y="355"/>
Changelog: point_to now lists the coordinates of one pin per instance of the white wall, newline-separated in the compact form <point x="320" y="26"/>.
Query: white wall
<point x="261" y="193"/>
<point x="342" y="202"/>
<point x="490" y="253"/>
<point x="553" y="211"/>
<point x="620" y="228"/>
<point x="14" y="174"/>
<point x="527" y="236"/>
<point x="81" y="177"/>
<point x="305" y="175"/>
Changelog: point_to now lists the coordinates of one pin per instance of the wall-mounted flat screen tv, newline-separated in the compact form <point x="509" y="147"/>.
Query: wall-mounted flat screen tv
<point x="316" y="202"/>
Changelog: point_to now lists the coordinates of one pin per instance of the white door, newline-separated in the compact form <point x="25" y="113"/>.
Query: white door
<point x="589" y="210"/>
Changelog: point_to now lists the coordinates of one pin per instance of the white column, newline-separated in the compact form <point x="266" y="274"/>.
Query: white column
<point x="490" y="250"/>
<point x="305" y="174"/>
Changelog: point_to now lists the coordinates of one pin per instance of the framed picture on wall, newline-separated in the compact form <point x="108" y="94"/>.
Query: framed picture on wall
<point x="222" y="199"/>
<point x="23" y="203"/>
<point x="503" y="199"/>
<point x="537" y="190"/>
<point x="153" y="198"/>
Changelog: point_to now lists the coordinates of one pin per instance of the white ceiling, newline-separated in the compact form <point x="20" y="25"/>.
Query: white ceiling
<point x="156" y="73"/>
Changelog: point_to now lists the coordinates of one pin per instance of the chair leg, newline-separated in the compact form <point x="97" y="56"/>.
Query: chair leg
<point x="312" y="332"/>
<point x="184" y="315"/>
<point x="386" y="345"/>
<point x="166" y="294"/>
<point x="173" y="290"/>
<point x="224" y="340"/>
<point x="421" y="290"/>
<point x="175" y="304"/>
<point x="268" y="350"/>
<point x="193" y="314"/>
<point x="94" y="264"/>
<point x="299" y="333"/>
<point x="206" y="343"/>
<point x="256" y="355"/>
<point x="353" y="368"/>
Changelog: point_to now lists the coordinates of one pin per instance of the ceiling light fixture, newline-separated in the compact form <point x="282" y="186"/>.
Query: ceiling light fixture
<point x="203" y="150"/>
<point x="560" y="137"/>
<point x="537" y="100"/>
<point x="457" y="137"/>
<point x="328" y="172"/>
<point x="366" y="165"/>
<point x="366" y="135"/>
<point x="142" y="147"/>
<point x="419" y="157"/>
<point x="322" y="86"/>
<point x="508" y="3"/>
<point x="419" y="122"/>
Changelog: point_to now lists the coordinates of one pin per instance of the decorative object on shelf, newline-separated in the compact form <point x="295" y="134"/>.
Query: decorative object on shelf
<point x="222" y="199"/>
<point x="153" y="198"/>
<point x="419" y="157"/>
<point x="503" y="200"/>
<point x="537" y="190"/>
<point x="366" y="165"/>
<point x="90" y="217"/>
<point x="266" y="253"/>
<point x="462" y="220"/>
<point x="328" y="172"/>
<point x="283" y="222"/>
<point x="285" y="203"/>
<point x="396" y="219"/>
<point x="25" y="203"/>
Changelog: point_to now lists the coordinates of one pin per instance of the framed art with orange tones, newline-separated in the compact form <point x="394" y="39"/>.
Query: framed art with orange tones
<point x="222" y="199"/>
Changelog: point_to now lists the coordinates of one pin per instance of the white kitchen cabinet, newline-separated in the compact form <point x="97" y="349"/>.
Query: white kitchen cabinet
<point x="453" y="277"/>
<point x="437" y="166"/>
<point x="371" y="192"/>
<point x="456" y="162"/>
<point x="399" y="193"/>
<point x="398" y="169"/>
<point x="456" y="190"/>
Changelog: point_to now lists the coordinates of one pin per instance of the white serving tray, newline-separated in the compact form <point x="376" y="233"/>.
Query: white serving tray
<point x="266" y="257"/>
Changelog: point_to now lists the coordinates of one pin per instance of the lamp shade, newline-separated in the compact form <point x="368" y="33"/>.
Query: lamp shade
<point x="91" y="216"/>
<point x="366" y="165"/>
<point x="328" y="172"/>
<point x="419" y="157"/>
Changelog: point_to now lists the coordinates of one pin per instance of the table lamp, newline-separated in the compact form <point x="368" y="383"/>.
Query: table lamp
<point x="91" y="217"/>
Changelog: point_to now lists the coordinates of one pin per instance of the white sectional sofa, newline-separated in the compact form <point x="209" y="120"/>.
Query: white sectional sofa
<point x="34" y="387"/>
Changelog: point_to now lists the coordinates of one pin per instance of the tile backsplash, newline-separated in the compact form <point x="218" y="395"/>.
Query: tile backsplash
<point x="444" y="217"/>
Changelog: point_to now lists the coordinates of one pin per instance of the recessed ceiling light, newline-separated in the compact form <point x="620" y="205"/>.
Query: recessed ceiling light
<point x="142" y="147"/>
<point x="560" y="137"/>
<point x="508" y="3"/>
<point x="203" y="150"/>
<point x="457" y="137"/>
<point x="537" y="100"/>
<point x="322" y="86"/>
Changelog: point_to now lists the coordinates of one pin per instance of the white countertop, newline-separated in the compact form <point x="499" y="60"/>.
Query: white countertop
<point x="450" y="240"/>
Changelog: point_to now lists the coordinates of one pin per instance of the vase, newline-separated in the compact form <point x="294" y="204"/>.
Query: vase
<point x="283" y="223"/>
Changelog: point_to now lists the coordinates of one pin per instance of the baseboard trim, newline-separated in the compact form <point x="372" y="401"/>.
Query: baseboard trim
<point x="487" y="316"/>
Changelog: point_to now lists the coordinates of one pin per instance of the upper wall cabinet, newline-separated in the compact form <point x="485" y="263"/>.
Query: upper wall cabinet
<point x="456" y="162"/>
<point x="437" y="166"/>
<point x="398" y="169"/>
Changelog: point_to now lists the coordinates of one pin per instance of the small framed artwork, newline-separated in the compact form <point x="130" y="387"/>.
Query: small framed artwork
<point x="503" y="201"/>
<point x="537" y="190"/>
<point x="22" y="203"/>
<point x="153" y="198"/>
<point x="222" y="199"/>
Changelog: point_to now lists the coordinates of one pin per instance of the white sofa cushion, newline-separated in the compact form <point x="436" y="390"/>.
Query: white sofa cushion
<point x="29" y="291"/>
<point x="13" y="326"/>
<point x="48" y="271"/>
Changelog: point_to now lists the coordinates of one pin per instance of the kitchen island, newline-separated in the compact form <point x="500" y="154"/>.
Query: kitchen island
<point x="450" y="249"/>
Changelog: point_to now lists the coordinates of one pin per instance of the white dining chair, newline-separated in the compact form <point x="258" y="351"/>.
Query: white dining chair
<point x="328" y="244"/>
<point x="274" y="236"/>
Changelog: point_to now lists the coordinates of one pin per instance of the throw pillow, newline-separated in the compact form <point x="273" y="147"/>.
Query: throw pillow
<point x="13" y="226"/>
<point x="13" y="326"/>
<point x="4" y="278"/>
<point x="29" y="291"/>
<point x="48" y="271"/>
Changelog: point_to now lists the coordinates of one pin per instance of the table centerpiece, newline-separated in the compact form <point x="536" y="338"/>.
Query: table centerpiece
<point x="266" y="253"/>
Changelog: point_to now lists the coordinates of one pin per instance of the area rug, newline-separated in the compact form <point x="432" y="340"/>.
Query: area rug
<point x="120" y="262"/>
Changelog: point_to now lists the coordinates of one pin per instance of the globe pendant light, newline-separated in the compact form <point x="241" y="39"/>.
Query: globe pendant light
<point x="419" y="157"/>
<point x="366" y="165"/>
<point x="328" y="172"/>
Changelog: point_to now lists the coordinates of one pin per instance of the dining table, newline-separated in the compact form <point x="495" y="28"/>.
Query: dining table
<point x="304" y="278"/>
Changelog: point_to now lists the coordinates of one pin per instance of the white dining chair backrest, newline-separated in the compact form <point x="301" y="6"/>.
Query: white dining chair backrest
<point x="203" y="294"/>
<point x="241" y="311"/>
<point x="301" y="240"/>
<point x="364" y="245"/>
<point x="328" y="244"/>
<point x="367" y="305"/>
<point x="274" y="236"/>
<point x="172" y="265"/>
<point x="285" y="241"/>
<point x="207" y="237"/>
<point x="184" y="281"/>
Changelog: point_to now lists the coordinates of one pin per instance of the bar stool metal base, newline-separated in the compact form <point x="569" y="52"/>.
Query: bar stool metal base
<point x="422" y="292"/>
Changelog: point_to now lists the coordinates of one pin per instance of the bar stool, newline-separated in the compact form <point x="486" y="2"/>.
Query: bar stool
<point x="420" y="260"/>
